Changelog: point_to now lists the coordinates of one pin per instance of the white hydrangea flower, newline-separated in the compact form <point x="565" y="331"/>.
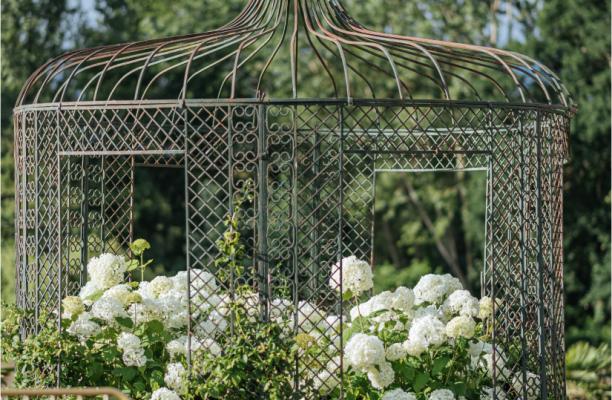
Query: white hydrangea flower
<point x="414" y="347"/>
<point x="174" y="375"/>
<point x="461" y="302"/>
<point x="108" y="308"/>
<point x="127" y="340"/>
<point x="177" y="346"/>
<point x="144" y="291"/>
<point x="381" y="322"/>
<point x="83" y="327"/>
<point x="106" y="270"/>
<point x="532" y="383"/>
<point x="119" y="292"/>
<point x="180" y="281"/>
<point x="441" y="394"/>
<point x="133" y="353"/>
<point x="91" y="288"/>
<point x="487" y="393"/>
<point x="485" y="307"/>
<point x="145" y="311"/>
<point x="402" y="299"/>
<point x="396" y="352"/>
<point x="431" y="311"/>
<point x="164" y="394"/>
<point x="72" y="306"/>
<point x="173" y="306"/>
<point x="363" y="351"/>
<point x="134" y="358"/>
<point x="461" y="326"/>
<point x="382" y="376"/>
<point x="398" y="394"/>
<point x="160" y="285"/>
<point x="426" y="331"/>
<point x="433" y="288"/>
<point x="356" y="276"/>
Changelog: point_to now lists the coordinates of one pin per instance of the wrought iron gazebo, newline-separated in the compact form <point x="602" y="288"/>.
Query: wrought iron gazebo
<point x="282" y="96"/>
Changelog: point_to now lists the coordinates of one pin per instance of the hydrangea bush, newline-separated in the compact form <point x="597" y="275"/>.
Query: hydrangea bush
<point x="430" y="342"/>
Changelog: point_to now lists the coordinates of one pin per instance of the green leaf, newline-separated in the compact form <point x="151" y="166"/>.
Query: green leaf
<point x="125" y="322"/>
<point x="346" y="296"/>
<point x="132" y="265"/>
<point x="459" y="388"/>
<point x="125" y="373"/>
<point x="420" y="381"/>
<point x="439" y="364"/>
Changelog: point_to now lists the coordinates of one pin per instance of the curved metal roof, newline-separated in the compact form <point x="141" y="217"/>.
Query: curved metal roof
<point x="326" y="53"/>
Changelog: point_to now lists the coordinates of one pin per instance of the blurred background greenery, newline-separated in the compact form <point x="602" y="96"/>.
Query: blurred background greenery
<point x="570" y="36"/>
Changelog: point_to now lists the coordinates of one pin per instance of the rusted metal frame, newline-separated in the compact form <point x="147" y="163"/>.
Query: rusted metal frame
<point x="60" y="292"/>
<point x="270" y="34"/>
<point x="36" y="224"/>
<point x="377" y="44"/>
<point x="524" y="145"/>
<point x="395" y="75"/>
<point x="295" y="249"/>
<point x="310" y="28"/>
<point x="272" y="55"/>
<point x="352" y="68"/>
<point x="339" y="39"/>
<point x="490" y="255"/>
<point x="186" y="132"/>
<point x="540" y="262"/>
<point x="492" y="52"/>
<point x="244" y="26"/>
<point x="293" y="50"/>
<point x="340" y="111"/>
<point x="364" y="45"/>
<point x="24" y="206"/>
<point x="324" y="64"/>
<point x="262" y="215"/>
<point x="412" y="42"/>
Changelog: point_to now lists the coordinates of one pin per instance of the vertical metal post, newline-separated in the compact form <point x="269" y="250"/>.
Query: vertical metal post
<point x="295" y="252"/>
<point x="341" y="239"/>
<point x="85" y="216"/>
<point x="58" y="177"/>
<point x="187" y="241"/>
<point x="315" y="223"/>
<point x="523" y="253"/>
<point x="230" y="201"/>
<point x="262" y="223"/>
<point x="36" y="226"/>
<point x="540" y="261"/>
<point x="24" y="221"/>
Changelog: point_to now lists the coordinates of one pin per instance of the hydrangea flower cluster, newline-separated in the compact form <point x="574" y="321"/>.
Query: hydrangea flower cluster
<point x="399" y="338"/>
<point x="352" y="275"/>
<point x="107" y="306"/>
<point x="387" y="343"/>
